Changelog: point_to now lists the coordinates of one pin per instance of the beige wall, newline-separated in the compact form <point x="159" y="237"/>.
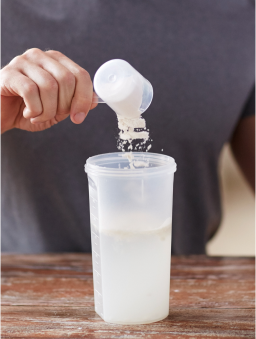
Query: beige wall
<point x="236" y="235"/>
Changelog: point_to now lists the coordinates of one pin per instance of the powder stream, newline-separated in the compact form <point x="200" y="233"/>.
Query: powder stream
<point x="131" y="130"/>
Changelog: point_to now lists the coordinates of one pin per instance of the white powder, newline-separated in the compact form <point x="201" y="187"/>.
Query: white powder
<point x="140" y="163"/>
<point x="130" y="130"/>
<point x="134" y="163"/>
<point x="131" y="135"/>
<point x="125" y="123"/>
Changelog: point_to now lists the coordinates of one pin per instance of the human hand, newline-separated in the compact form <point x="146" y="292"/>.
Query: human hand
<point x="39" y="89"/>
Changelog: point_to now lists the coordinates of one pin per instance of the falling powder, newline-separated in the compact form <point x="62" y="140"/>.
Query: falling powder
<point x="133" y="130"/>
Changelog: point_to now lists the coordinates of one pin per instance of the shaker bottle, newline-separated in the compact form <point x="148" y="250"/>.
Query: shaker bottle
<point x="131" y="217"/>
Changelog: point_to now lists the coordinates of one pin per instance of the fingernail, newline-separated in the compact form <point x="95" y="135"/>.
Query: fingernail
<point x="79" y="117"/>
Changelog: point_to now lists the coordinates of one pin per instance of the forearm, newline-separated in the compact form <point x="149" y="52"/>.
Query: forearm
<point x="243" y="148"/>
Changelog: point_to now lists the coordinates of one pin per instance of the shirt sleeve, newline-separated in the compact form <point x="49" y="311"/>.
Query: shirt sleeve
<point x="249" y="107"/>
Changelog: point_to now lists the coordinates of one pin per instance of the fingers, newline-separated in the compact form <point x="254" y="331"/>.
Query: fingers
<point x="48" y="88"/>
<point x="13" y="83"/>
<point x="51" y="85"/>
<point x="94" y="98"/>
<point x="82" y="99"/>
<point x="56" y="83"/>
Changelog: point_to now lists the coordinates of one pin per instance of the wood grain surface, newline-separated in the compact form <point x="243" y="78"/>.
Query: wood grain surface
<point x="51" y="296"/>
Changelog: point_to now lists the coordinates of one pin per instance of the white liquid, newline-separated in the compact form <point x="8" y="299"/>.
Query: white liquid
<point x="135" y="275"/>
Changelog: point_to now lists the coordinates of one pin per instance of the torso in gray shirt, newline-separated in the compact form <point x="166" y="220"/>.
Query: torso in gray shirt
<point x="199" y="57"/>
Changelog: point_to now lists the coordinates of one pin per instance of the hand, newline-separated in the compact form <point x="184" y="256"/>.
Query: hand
<point x="39" y="89"/>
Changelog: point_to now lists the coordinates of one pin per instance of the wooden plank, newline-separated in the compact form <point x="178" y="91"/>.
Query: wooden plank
<point x="82" y="322"/>
<point x="51" y="296"/>
<point x="79" y="291"/>
<point x="203" y="267"/>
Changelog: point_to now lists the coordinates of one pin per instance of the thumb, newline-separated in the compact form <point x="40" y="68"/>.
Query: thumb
<point x="80" y="108"/>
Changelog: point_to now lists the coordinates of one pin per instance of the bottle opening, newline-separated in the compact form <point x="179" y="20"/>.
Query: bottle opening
<point x="120" y="163"/>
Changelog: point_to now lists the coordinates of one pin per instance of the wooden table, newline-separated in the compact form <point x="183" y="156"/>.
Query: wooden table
<point x="51" y="296"/>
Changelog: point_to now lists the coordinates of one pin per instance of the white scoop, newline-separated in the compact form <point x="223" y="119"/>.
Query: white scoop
<point x="122" y="88"/>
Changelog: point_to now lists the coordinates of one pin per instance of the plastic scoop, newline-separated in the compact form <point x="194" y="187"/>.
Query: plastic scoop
<point x="122" y="88"/>
<point x="97" y="100"/>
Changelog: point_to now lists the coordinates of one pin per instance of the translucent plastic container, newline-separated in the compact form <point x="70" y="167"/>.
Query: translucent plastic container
<point x="131" y="216"/>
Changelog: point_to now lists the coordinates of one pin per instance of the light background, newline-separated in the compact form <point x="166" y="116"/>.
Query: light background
<point x="236" y="235"/>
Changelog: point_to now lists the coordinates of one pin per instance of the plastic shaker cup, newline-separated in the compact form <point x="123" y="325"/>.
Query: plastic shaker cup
<point x="131" y="217"/>
<point x="123" y="88"/>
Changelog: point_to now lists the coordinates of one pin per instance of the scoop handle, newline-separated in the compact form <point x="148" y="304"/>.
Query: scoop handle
<point x="96" y="99"/>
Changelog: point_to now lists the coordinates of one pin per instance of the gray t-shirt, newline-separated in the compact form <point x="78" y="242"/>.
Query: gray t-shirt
<point x="199" y="57"/>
